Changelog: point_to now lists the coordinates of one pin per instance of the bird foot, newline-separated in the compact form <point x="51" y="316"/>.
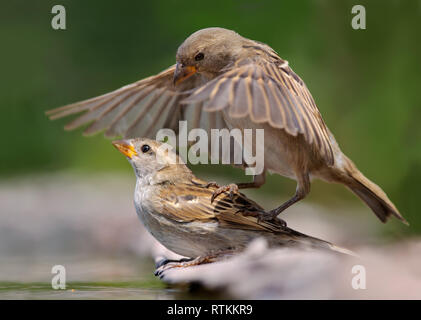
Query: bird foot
<point x="212" y="184"/>
<point x="231" y="188"/>
<point x="271" y="216"/>
<point x="165" y="264"/>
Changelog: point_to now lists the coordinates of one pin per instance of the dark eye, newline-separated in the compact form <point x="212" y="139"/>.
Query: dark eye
<point x="145" y="148"/>
<point x="199" y="56"/>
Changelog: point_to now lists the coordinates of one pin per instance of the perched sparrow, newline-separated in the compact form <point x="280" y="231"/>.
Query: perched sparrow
<point x="224" y="80"/>
<point x="176" y="208"/>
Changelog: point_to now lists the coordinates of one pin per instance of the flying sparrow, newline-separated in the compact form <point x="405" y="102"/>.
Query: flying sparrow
<point x="223" y="80"/>
<point x="176" y="208"/>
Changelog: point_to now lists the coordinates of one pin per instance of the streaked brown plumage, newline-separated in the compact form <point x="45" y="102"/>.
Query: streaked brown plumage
<point x="174" y="205"/>
<point x="225" y="80"/>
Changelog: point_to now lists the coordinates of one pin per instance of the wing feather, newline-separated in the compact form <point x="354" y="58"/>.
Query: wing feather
<point x="259" y="111"/>
<point x="108" y="114"/>
<point x="268" y="92"/>
<point x="219" y="97"/>
<point x="187" y="202"/>
<point x="242" y="100"/>
<point x="124" y="111"/>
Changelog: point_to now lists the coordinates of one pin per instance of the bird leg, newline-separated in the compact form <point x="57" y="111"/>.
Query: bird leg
<point x="165" y="265"/>
<point x="233" y="188"/>
<point x="303" y="188"/>
<point x="163" y="262"/>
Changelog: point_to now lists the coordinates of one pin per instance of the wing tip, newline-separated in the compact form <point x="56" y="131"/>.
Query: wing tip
<point x="343" y="250"/>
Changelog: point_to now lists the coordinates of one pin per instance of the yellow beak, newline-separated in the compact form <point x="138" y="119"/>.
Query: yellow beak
<point x="125" y="148"/>
<point x="181" y="73"/>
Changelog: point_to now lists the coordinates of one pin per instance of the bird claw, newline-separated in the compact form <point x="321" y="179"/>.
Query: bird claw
<point x="231" y="188"/>
<point x="161" y="263"/>
<point x="168" y="265"/>
<point x="165" y="261"/>
<point x="212" y="184"/>
<point x="182" y="263"/>
<point x="271" y="217"/>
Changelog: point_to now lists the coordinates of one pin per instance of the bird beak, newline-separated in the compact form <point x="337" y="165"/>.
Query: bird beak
<point x="183" y="72"/>
<point x="125" y="147"/>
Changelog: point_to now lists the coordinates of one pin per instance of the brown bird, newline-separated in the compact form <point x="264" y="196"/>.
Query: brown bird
<point x="175" y="206"/>
<point x="223" y="80"/>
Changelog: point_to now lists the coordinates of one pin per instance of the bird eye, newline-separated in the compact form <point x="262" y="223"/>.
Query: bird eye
<point x="145" y="148"/>
<point x="199" y="56"/>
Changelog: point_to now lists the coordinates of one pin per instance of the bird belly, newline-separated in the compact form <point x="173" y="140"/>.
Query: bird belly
<point x="191" y="239"/>
<point x="186" y="239"/>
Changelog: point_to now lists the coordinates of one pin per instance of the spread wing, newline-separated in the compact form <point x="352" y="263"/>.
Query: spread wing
<point x="192" y="202"/>
<point x="140" y="109"/>
<point x="268" y="92"/>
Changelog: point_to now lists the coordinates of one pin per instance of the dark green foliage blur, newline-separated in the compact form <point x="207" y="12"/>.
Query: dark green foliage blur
<point x="365" y="82"/>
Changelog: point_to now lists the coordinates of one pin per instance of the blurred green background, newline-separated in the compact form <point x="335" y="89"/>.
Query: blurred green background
<point x="365" y="82"/>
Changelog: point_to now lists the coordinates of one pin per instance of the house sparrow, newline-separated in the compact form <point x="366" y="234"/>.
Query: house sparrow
<point x="176" y="208"/>
<point x="223" y="80"/>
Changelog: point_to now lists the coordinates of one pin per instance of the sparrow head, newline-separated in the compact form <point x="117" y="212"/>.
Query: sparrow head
<point x="207" y="52"/>
<point x="149" y="156"/>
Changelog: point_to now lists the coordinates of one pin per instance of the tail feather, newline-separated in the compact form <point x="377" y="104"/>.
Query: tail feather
<point x="289" y="237"/>
<point x="316" y="243"/>
<point x="372" y="195"/>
